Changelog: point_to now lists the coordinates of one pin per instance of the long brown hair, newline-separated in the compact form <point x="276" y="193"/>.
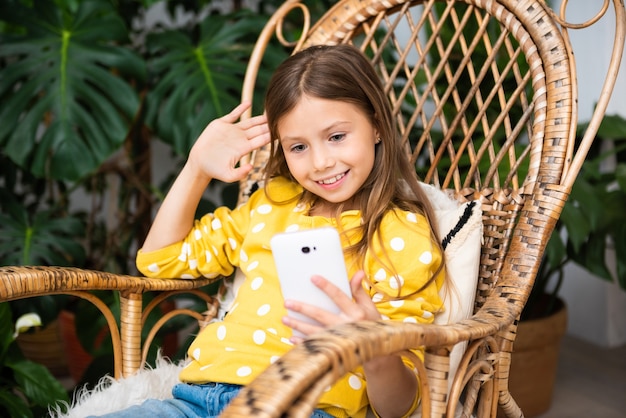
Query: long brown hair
<point x="342" y="72"/>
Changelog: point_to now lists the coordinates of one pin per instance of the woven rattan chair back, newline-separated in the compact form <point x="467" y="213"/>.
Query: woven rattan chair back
<point x="470" y="92"/>
<point x="485" y="97"/>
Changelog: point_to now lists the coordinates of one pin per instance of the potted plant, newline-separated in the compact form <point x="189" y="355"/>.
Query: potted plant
<point x="592" y="221"/>
<point x="26" y="388"/>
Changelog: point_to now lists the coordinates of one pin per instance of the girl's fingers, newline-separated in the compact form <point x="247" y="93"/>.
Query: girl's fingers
<point x="357" y="307"/>
<point x="342" y="300"/>
<point x="259" y="120"/>
<point x="356" y="286"/>
<point x="258" y="132"/>
<point x="303" y="327"/>
<point x="236" y="113"/>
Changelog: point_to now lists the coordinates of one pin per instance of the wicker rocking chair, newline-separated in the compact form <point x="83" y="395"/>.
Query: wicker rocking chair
<point x="485" y="95"/>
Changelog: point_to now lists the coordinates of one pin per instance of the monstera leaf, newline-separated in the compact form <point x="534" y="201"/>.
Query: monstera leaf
<point x="65" y="102"/>
<point x="198" y="78"/>
<point x="44" y="238"/>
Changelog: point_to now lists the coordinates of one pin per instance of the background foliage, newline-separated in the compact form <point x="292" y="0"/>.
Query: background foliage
<point x="88" y="90"/>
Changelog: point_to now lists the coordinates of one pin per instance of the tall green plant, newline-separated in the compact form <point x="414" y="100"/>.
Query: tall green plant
<point x="69" y="73"/>
<point x="84" y="93"/>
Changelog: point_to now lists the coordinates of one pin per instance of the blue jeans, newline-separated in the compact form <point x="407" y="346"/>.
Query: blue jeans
<point x="190" y="401"/>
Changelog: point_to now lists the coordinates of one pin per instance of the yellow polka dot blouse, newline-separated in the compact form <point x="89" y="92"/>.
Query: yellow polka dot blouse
<point x="252" y="336"/>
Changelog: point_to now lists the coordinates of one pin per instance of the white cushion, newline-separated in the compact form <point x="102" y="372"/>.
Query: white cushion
<point x="461" y="230"/>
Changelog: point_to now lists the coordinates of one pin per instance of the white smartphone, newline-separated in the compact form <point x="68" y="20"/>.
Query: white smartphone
<point x="301" y="254"/>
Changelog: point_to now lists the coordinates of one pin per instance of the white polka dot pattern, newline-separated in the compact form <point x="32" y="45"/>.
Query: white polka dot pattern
<point x="263" y="310"/>
<point x="259" y="337"/>
<point x="426" y="257"/>
<point x="244" y="371"/>
<point x="354" y="382"/>
<point x="256" y="283"/>
<point x="264" y="209"/>
<point x="221" y="332"/>
<point x="397" y="244"/>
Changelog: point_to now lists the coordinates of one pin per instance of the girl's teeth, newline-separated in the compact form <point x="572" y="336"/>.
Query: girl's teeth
<point x="332" y="180"/>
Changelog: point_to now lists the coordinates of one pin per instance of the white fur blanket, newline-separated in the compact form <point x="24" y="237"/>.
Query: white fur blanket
<point x="112" y="395"/>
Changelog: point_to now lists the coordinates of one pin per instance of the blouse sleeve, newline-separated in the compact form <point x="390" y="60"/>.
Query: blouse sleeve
<point x="211" y="249"/>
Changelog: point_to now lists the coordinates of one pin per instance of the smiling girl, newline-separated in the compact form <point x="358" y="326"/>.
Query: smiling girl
<point x="336" y="160"/>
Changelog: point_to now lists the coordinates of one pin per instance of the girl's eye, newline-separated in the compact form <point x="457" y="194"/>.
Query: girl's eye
<point x="297" y="148"/>
<point x="337" y="137"/>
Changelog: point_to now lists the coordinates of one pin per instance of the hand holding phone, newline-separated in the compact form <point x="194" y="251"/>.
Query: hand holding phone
<point x="302" y="254"/>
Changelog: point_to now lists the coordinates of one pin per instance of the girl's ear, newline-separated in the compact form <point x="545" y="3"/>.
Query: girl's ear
<point x="377" y="136"/>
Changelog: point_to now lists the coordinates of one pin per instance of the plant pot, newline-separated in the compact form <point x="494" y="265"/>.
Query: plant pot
<point x="44" y="346"/>
<point x="534" y="361"/>
<point x="78" y="359"/>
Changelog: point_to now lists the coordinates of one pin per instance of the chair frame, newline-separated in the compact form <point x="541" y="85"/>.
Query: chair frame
<point x="520" y="211"/>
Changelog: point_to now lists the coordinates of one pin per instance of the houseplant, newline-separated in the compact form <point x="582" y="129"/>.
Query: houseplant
<point x="26" y="388"/>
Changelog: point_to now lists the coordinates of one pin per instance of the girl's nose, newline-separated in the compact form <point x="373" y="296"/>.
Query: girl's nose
<point x="322" y="159"/>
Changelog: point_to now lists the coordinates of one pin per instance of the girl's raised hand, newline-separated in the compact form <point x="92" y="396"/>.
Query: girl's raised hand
<point x="358" y="308"/>
<point x="217" y="152"/>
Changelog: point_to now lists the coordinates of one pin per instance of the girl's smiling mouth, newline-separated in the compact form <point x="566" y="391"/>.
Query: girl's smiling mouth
<point x="331" y="180"/>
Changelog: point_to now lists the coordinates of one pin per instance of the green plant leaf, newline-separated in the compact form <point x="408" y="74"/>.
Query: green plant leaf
<point x="13" y="406"/>
<point x="555" y="251"/>
<point x="6" y="328"/>
<point x="65" y="101"/>
<point x="620" y="176"/>
<point x="588" y="196"/>
<point x="619" y="241"/>
<point x="592" y="257"/>
<point x="577" y="225"/>
<point x="198" y="80"/>
<point x="46" y="239"/>
<point x="612" y="127"/>
<point x="37" y="383"/>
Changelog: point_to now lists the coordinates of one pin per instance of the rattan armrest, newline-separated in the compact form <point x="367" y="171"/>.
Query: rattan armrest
<point x="307" y="370"/>
<point x="26" y="281"/>
<point x="128" y="349"/>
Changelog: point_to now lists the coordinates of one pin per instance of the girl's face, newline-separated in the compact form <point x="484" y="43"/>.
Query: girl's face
<point x="329" y="147"/>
